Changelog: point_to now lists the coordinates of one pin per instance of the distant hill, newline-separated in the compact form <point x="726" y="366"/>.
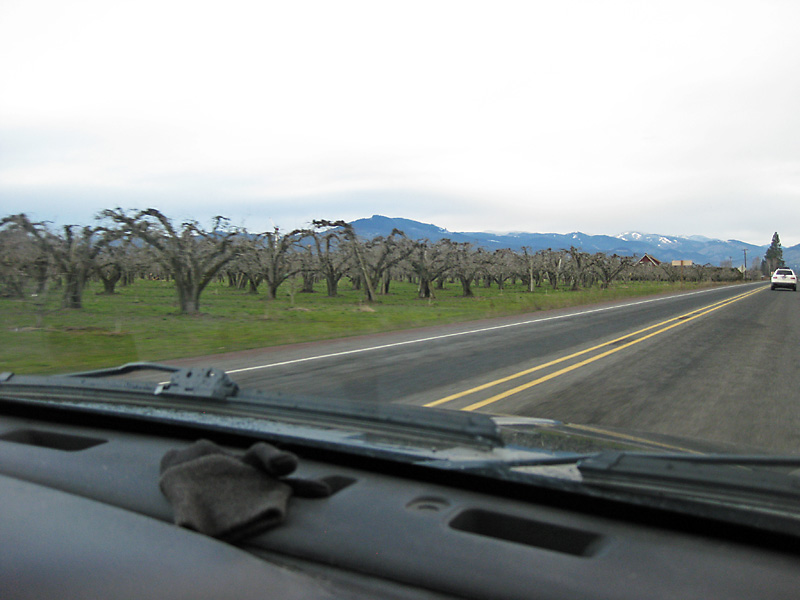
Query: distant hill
<point x="791" y="256"/>
<point x="696" y="248"/>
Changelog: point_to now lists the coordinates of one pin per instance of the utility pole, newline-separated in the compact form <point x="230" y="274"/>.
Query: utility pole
<point x="744" y="270"/>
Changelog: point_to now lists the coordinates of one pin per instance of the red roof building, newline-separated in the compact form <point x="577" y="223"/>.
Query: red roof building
<point x="648" y="260"/>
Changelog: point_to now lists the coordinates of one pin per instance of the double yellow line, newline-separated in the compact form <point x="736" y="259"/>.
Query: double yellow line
<point x="664" y="325"/>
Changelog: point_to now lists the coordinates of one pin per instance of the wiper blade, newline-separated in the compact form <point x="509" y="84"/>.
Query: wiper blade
<point x="592" y="461"/>
<point x="194" y="387"/>
<point x="746" y="460"/>
<point x="204" y="382"/>
<point x="125" y="369"/>
<point x="504" y="464"/>
<point x="723" y="479"/>
<point x="196" y="383"/>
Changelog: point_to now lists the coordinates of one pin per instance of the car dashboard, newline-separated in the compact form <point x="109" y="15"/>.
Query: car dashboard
<point x="83" y="516"/>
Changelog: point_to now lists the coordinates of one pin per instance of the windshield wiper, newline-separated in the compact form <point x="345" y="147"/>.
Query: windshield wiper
<point x="492" y="465"/>
<point x="193" y="388"/>
<point x="748" y="460"/>
<point x="717" y="478"/>
<point x="125" y="369"/>
<point x="206" y="383"/>
<point x="591" y="463"/>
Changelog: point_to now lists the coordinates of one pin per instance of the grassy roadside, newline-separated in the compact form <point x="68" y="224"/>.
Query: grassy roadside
<point x="140" y="322"/>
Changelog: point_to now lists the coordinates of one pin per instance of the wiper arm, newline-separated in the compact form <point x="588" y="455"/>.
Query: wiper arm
<point x="591" y="462"/>
<point x="206" y="382"/>
<point x="745" y="460"/>
<point x="494" y="464"/>
<point x="724" y="479"/>
<point x="203" y="384"/>
<point x="125" y="369"/>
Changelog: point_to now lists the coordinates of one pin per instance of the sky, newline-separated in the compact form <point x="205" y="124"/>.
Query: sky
<point x="676" y="118"/>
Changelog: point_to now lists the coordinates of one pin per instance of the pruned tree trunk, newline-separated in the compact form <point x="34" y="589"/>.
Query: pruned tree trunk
<point x="272" y="290"/>
<point x="188" y="297"/>
<point x="425" y="290"/>
<point x="387" y="281"/>
<point x="308" y="283"/>
<point x="74" y="283"/>
<point x="466" y="286"/>
<point x="332" y="285"/>
<point x="110" y="279"/>
<point x="252" y="284"/>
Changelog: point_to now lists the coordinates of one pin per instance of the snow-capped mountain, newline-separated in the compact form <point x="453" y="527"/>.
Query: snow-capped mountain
<point x="657" y="240"/>
<point x="700" y="249"/>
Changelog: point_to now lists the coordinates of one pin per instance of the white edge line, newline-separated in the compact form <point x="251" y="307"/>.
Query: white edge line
<point x="470" y="332"/>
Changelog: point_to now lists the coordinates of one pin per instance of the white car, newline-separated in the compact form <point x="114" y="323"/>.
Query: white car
<point x="784" y="278"/>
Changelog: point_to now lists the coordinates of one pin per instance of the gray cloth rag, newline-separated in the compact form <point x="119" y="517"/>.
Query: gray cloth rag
<point x="225" y="496"/>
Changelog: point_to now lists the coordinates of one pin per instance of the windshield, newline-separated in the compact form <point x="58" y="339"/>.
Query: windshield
<point x="560" y="217"/>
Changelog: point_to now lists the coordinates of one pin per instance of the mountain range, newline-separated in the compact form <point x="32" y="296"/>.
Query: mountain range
<point x="698" y="249"/>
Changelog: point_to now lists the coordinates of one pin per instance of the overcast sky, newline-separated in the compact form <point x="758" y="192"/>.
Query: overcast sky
<point x="556" y="116"/>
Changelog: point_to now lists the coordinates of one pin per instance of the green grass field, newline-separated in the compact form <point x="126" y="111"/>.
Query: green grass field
<point x="140" y="322"/>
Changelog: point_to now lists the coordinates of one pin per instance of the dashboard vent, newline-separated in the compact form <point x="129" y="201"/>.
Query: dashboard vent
<point x="525" y="531"/>
<point x="50" y="439"/>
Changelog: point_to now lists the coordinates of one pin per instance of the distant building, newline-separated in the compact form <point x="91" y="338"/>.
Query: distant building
<point x="648" y="260"/>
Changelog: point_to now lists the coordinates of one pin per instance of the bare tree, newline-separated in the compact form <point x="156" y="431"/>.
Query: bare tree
<point x="235" y="271"/>
<point x="381" y="254"/>
<point x="22" y="263"/>
<point x="333" y="261"/>
<point x="699" y="272"/>
<point x="273" y="255"/>
<point x="429" y="261"/>
<point x="552" y="265"/>
<point x="648" y="272"/>
<point x="467" y="264"/>
<point x="371" y="258"/>
<point x="672" y="273"/>
<point x="357" y="249"/>
<point x="191" y="255"/>
<point x="308" y="266"/>
<point x="73" y="253"/>
<point x="112" y="263"/>
<point x="578" y="268"/>
<point x="530" y="267"/>
<point x="500" y="267"/>
<point x="608" y="267"/>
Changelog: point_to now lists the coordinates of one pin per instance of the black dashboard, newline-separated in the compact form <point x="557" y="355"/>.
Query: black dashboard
<point x="82" y="516"/>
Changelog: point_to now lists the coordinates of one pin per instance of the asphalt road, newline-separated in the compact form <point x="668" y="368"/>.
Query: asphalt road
<point x="717" y="364"/>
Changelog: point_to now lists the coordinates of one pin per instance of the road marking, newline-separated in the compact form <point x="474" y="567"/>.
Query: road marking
<point x="571" y="356"/>
<point x="632" y="438"/>
<point x="562" y="359"/>
<point x="675" y="321"/>
<point x="597" y="357"/>
<point x="460" y="333"/>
